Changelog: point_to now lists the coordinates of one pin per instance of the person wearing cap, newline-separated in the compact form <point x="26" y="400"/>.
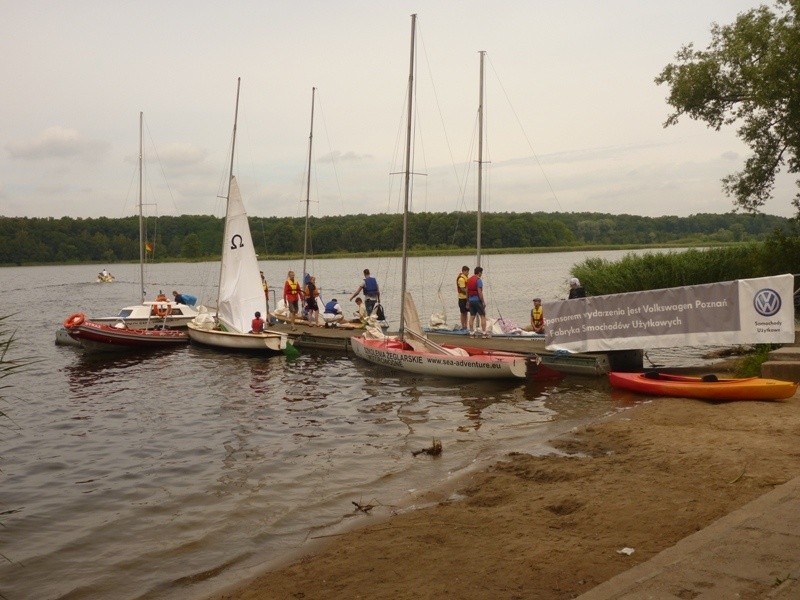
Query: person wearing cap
<point x="537" y="316"/>
<point x="257" y="324"/>
<point x="575" y="289"/>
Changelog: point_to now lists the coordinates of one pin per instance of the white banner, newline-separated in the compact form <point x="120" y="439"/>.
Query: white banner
<point x="746" y="311"/>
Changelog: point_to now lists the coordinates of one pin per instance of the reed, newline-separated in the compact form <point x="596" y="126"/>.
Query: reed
<point x="777" y="255"/>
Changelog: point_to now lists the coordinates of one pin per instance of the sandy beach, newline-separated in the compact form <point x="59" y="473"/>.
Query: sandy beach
<point x="552" y="527"/>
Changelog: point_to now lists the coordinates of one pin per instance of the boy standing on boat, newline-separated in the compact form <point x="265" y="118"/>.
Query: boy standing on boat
<point x="372" y="294"/>
<point x="292" y="295"/>
<point x="477" y="305"/>
<point x="461" y="287"/>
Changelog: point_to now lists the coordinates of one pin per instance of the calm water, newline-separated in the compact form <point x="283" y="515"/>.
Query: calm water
<point x="173" y="474"/>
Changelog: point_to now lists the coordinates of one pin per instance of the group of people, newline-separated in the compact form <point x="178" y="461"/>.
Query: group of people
<point x="472" y="305"/>
<point x="307" y="296"/>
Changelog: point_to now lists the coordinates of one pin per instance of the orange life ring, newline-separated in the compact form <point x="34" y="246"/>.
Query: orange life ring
<point x="162" y="310"/>
<point x="74" y="320"/>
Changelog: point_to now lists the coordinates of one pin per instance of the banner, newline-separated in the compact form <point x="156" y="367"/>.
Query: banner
<point x="746" y="311"/>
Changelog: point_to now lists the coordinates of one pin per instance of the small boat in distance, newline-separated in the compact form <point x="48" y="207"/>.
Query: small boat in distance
<point x="105" y="277"/>
<point x="240" y="293"/>
<point x="708" y="387"/>
<point x="99" y="337"/>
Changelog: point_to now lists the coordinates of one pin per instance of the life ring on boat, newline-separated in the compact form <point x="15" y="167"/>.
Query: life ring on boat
<point x="74" y="320"/>
<point x="161" y="298"/>
<point x="162" y="310"/>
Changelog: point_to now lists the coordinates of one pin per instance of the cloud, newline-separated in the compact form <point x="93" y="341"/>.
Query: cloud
<point x="337" y="156"/>
<point x="56" y="142"/>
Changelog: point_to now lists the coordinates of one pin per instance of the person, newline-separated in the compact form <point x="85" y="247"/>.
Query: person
<point x="257" y="324"/>
<point x="360" y="314"/>
<point x="575" y="289"/>
<point x="105" y="273"/>
<point x="292" y="294"/>
<point x="372" y="294"/>
<point x="265" y="287"/>
<point x="477" y="305"/>
<point x="333" y="313"/>
<point x="537" y="316"/>
<point x="461" y="288"/>
<point x="312" y="306"/>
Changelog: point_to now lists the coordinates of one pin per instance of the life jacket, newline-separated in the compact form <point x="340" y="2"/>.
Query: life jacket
<point x="370" y="286"/>
<point x="330" y="307"/>
<point x="294" y="288"/>
<point x="537" y="316"/>
<point x="472" y="285"/>
<point x="461" y="284"/>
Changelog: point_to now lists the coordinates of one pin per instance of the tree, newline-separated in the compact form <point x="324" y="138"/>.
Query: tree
<point x="749" y="75"/>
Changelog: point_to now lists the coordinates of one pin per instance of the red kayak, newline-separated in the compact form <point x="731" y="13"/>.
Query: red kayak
<point x="708" y="387"/>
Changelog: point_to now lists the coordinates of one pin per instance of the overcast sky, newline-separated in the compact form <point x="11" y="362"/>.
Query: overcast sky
<point x="573" y="117"/>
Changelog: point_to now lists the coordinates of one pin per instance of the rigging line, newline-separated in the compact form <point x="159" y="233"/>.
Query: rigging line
<point x="333" y="154"/>
<point x="160" y="165"/>
<point x="525" y="135"/>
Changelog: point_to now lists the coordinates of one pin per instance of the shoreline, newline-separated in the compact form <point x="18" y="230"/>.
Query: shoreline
<point x="551" y="526"/>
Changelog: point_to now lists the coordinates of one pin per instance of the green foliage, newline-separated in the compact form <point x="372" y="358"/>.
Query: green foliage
<point x="776" y="255"/>
<point x="193" y="237"/>
<point x="748" y="76"/>
<point x="750" y="364"/>
<point x="8" y="365"/>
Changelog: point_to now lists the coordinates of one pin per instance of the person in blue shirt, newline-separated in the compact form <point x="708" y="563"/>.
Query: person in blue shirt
<point x="372" y="293"/>
<point x="333" y="313"/>
<point x="186" y="299"/>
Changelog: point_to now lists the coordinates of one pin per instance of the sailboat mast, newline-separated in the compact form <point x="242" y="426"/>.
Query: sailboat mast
<point x="407" y="193"/>
<point x="308" y="184"/>
<point x="141" y="219"/>
<point x="230" y="176"/>
<point x="480" y="163"/>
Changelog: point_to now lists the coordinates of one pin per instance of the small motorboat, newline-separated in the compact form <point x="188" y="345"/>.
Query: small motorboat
<point x="99" y="337"/>
<point x="707" y="387"/>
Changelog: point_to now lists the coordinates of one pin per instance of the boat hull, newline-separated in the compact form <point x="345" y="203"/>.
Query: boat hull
<point x="392" y="353"/>
<point x="99" y="337"/>
<point x="663" y="384"/>
<point x="228" y="340"/>
<point x="596" y="363"/>
<point x="142" y="316"/>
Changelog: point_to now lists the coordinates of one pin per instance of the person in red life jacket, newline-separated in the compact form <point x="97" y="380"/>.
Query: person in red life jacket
<point x="537" y="316"/>
<point x="372" y="294"/>
<point x="477" y="305"/>
<point x="463" y="297"/>
<point x="292" y="294"/>
<point x="257" y="324"/>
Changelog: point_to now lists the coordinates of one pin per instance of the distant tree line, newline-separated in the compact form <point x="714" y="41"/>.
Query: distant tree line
<point x="26" y="240"/>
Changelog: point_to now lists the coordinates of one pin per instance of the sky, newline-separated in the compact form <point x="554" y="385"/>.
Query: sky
<point x="573" y="120"/>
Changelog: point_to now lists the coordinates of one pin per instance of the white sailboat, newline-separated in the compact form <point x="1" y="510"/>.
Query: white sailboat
<point x="240" y="293"/>
<point x="161" y="313"/>
<point x="411" y="351"/>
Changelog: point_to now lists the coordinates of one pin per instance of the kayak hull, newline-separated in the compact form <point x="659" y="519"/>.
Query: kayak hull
<point x="682" y="386"/>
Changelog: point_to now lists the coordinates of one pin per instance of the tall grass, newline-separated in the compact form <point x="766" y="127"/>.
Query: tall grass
<point x="777" y="255"/>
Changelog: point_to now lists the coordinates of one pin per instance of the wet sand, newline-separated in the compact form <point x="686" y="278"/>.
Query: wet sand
<point x="552" y="527"/>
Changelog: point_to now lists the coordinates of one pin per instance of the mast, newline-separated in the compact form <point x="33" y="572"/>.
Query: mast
<point x="141" y="219"/>
<point x="407" y="176"/>
<point x="480" y="162"/>
<point x="308" y="184"/>
<point x="230" y="178"/>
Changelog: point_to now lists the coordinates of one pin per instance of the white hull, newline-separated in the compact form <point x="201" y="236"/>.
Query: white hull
<point x="482" y="366"/>
<point x="270" y="342"/>
<point x="142" y="316"/>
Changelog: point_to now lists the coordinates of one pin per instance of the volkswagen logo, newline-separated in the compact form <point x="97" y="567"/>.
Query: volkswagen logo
<point x="767" y="302"/>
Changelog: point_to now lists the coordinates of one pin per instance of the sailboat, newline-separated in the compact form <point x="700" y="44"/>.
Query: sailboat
<point x="411" y="351"/>
<point x="240" y="293"/>
<point x="139" y="332"/>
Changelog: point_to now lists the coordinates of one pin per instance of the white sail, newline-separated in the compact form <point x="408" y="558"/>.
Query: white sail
<point x="240" y="291"/>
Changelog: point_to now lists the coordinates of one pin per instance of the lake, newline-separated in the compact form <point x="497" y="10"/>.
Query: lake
<point x="173" y="474"/>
